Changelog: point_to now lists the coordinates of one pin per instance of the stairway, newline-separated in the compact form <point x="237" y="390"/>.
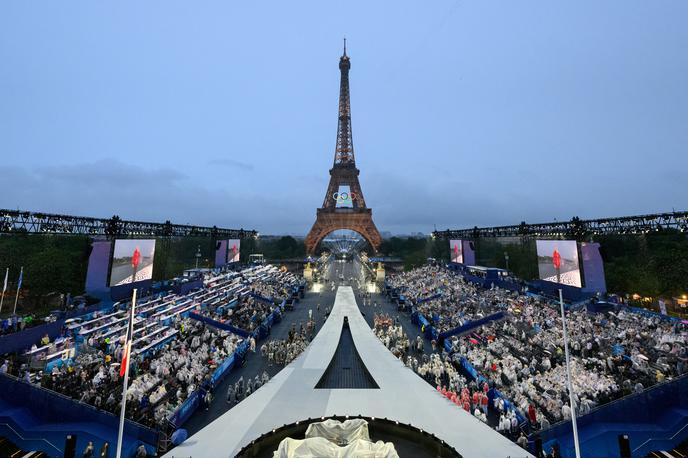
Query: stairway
<point x="18" y="425"/>
<point x="10" y="450"/>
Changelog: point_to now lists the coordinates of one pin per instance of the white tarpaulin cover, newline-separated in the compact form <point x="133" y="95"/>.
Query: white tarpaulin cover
<point x="323" y="439"/>
<point x="339" y="433"/>
<point x="319" y="447"/>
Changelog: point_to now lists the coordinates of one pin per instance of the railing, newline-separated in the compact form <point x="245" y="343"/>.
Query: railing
<point x="26" y="439"/>
<point x="53" y="401"/>
<point x="652" y="439"/>
<point x="621" y="400"/>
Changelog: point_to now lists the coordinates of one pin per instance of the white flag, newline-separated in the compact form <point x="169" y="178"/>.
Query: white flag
<point x="4" y="287"/>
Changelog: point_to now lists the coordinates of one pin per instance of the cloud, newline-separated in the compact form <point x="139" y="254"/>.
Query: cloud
<point x="231" y="163"/>
<point x="402" y="201"/>
<point x="108" y="187"/>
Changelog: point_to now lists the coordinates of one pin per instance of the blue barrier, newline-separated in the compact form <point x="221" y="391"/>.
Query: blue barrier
<point x="422" y="320"/>
<point x="124" y="292"/>
<point x="184" y="412"/>
<point x="469" y="369"/>
<point x="85" y="311"/>
<point x="472" y="325"/>
<point x="53" y="408"/>
<point x="655" y="413"/>
<point x="20" y="341"/>
<point x="426" y="299"/>
<point x="508" y="285"/>
<point x="219" y="325"/>
<point x="570" y="293"/>
<point x="650" y="314"/>
<point x="508" y="405"/>
<point x="184" y="288"/>
<point x="262" y="298"/>
<point x="222" y="370"/>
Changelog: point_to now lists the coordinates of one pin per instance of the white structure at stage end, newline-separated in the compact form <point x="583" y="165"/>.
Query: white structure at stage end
<point x="291" y="396"/>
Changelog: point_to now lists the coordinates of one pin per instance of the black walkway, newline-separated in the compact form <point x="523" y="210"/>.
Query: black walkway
<point x="346" y="370"/>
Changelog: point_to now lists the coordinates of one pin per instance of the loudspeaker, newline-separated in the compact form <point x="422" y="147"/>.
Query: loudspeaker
<point x="217" y="245"/>
<point x="624" y="446"/>
<point x="70" y="446"/>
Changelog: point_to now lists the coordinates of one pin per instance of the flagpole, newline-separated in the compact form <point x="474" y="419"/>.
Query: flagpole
<point x="16" y="298"/>
<point x="4" y="288"/>
<point x="568" y="376"/>
<point x="127" y="353"/>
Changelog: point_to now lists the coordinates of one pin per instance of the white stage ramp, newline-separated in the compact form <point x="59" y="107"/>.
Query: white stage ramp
<point x="291" y="396"/>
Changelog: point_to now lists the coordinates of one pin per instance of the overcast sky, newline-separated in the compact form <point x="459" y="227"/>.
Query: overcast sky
<point x="225" y="113"/>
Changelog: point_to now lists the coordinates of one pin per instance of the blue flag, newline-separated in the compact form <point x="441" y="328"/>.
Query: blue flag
<point x="21" y="275"/>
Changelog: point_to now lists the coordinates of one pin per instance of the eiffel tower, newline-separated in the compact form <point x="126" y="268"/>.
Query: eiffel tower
<point x="344" y="206"/>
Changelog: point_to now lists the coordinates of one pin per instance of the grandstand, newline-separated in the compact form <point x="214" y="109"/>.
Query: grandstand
<point x="213" y="348"/>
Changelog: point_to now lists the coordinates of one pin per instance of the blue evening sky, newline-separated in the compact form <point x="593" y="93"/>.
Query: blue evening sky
<point x="464" y="113"/>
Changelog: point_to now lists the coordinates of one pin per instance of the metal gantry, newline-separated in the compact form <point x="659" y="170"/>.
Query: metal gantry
<point x="16" y="221"/>
<point x="577" y="228"/>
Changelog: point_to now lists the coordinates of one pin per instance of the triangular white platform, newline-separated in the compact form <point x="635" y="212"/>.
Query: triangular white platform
<point x="290" y="396"/>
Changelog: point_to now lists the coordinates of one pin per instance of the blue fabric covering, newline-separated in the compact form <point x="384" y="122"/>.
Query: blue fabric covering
<point x="184" y="288"/>
<point x="124" y="292"/>
<point x="41" y="413"/>
<point x="20" y="341"/>
<point x="656" y="413"/>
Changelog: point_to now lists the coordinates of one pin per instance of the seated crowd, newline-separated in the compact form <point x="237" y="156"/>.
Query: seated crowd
<point x="172" y="355"/>
<point x="612" y="354"/>
<point x="436" y="369"/>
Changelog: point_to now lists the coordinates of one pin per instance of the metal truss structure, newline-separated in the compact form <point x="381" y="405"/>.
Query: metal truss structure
<point x="356" y="217"/>
<point x="577" y="228"/>
<point x="15" y="221"/>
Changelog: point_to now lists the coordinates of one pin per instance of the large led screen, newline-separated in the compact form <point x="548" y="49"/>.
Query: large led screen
<point x="233" y="250"/>
<point x="132" y="261"/>
<point x="456" y="251"/>
<point x="558" y="261"/>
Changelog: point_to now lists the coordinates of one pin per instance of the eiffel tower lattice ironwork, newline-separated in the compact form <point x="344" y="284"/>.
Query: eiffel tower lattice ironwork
<point x="344" y="206"/>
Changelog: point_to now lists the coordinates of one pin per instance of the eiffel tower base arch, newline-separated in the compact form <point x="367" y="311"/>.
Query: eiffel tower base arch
<point x="327" y="221"/>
